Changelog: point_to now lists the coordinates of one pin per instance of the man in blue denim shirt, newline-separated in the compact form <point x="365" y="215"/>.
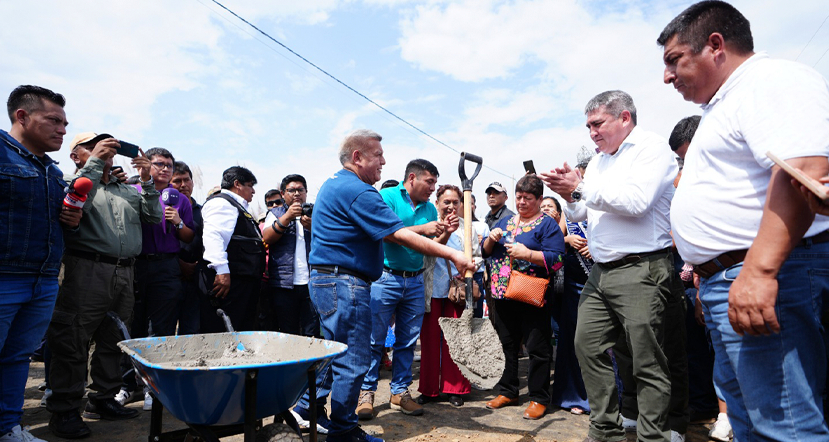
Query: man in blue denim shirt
<point x="350" y="223"/>
<point x="32" y="215"/>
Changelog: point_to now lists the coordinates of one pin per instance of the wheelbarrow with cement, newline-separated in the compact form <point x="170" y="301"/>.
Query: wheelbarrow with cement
<point x="473" y="342"/>
<point x="223" y="384"/>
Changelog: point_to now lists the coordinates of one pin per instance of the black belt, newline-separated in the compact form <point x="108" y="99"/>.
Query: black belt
<point x="335" y="270"/>
<point x="402" y="273"/>
<point x="633" y="258"/>
<point x="728" y="259"/>
<point x="97" y="257"/>
<point x="157" y="256"/>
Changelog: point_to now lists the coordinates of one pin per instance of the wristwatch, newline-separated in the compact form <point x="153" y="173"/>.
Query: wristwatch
<point x="576" y="194"/>
<point x="146" y="183"/>
<point x="180" y="225"/>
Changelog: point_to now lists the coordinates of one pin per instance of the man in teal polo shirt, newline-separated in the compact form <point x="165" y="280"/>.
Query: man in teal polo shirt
<point x="399" y="291"/>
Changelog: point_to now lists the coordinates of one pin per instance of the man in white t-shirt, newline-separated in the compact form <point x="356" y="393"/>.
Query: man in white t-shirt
<point x="761" y="254"/>
<point x="625" y="197"/>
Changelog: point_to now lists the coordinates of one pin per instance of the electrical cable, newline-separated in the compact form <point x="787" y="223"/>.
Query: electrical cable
<point x="810" y="40"/>
<point x="346" y="85"/>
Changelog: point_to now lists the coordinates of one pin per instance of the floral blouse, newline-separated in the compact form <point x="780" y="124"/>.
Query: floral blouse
<point x="543" y="234"/>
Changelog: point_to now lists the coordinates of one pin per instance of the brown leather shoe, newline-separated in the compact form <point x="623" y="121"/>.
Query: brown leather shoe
<point x="501" y="401"/>
<point x="535" y="411"/>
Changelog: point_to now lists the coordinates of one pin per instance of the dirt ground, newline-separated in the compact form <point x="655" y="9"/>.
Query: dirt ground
<point x="441" y="422"/>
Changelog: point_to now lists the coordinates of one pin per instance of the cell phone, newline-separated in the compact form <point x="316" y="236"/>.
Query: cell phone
<point x="821" y="191"/>
<point x="127" y="149"/>
<point x="115" y="169"/>
<point x="529" y="167"/>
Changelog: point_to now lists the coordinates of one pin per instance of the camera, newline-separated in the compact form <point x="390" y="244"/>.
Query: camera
<point x="307" y="209"/>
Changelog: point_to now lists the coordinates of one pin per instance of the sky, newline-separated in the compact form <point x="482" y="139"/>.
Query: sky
<point x="506" y="80"/>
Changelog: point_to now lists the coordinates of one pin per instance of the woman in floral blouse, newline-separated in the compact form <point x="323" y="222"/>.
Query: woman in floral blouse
<point x="534" y="243"/>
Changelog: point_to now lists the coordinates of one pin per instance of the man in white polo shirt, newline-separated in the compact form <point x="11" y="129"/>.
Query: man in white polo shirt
<point x="625" y="198"/>
<point x="761" y="254"/>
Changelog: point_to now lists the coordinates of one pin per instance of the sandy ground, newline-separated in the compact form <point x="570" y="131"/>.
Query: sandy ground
<point x="440" y="422"/>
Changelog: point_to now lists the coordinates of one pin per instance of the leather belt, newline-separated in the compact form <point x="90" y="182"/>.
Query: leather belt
<point x="722" y="262"/>
<point x="157" y="256"/>
<point x="97" y="257"/>
<point x="728" y="259"/>
<point x="337" y="270"/>
<point x="633" y="258"/>
<point x="402" y="273"/>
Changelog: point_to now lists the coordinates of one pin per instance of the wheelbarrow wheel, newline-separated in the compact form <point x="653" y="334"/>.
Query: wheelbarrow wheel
<point x="277" y="432"/>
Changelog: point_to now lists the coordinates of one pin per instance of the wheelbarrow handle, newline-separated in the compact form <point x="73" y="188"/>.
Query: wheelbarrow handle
<point x="466" y="183"/>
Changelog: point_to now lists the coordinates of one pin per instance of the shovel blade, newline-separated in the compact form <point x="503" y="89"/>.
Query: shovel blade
<point x="475" y="348"/>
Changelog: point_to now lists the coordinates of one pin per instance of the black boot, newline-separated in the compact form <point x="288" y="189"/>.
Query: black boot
<point x="68" y="425"/>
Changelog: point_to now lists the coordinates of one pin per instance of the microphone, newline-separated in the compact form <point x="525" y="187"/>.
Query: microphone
<point x="170" y="198"/>
<point x="77" y="192"/>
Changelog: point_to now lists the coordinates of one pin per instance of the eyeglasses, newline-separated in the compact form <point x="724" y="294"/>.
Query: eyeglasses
<point x="272" y="203"/>
<point x="295" y="190"/>
<point x="162" y="166"/>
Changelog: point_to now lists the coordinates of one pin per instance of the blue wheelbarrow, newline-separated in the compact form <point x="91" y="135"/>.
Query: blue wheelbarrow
<point x="223" y="384"/>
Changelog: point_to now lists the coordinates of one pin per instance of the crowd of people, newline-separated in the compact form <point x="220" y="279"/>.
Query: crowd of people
<point x="682" y="280"/>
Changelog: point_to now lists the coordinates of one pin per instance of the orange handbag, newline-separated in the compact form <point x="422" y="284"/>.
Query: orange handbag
<point x="525" y="288"/>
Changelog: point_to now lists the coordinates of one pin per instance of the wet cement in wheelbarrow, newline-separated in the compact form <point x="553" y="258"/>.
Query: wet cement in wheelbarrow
<point x="224" y="350"/>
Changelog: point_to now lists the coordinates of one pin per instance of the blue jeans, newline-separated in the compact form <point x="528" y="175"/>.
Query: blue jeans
<point x="403" y="297"/>
<point x="774" y="385"/>
<point x="343" y="305"/>
<point x="26" y="303"/>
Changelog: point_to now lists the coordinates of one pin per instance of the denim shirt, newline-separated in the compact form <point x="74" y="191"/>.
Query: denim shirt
<point x="281" y="255"/>
<point x="31" y="198"/>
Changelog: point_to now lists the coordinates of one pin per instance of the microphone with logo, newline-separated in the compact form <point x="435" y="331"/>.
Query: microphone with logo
<point x="77" y="192"/>
<point x="170" y="198"/>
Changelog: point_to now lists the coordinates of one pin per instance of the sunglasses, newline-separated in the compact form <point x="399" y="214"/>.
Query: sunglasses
<point x="272" y="203"/>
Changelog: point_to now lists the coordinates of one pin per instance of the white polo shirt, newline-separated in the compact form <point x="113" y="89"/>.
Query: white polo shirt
<point x="765" y="105"/>
<point x="626" y="198"/>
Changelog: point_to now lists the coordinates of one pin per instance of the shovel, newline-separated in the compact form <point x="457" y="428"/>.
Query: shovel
<point x="473" y="343"/>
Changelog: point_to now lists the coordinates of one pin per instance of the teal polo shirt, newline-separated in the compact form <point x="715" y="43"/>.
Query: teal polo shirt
<point x="397" y="256"/>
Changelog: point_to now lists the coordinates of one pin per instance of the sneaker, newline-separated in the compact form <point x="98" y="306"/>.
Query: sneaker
<point x="42" y="386"/>
<point x="365" y="405"/>
<point x="628" y="424"/>
<point x="303" y="418"/>
<point x="68" y="425"/>
<point x="148" y="401"/>
<point x="45" y="397"/>
<point x="125" y="396"/>
<point x="404" y="403"/>
<point x="18" y="434"/>
<point x="108" y="409"/>
<point x="355" y="435"/>
<point x="721" y="430"/>
<point x="677" y="437"/>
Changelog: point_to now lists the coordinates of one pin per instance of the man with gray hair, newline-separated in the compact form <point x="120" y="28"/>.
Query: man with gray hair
<point x="351" y="221"/>
<point x="625" y="198"/>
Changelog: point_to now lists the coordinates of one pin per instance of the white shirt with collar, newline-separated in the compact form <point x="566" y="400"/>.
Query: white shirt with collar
<point x="219" y="223"/>
<point x="765" y="105"/>
<point x="626" y="198"/>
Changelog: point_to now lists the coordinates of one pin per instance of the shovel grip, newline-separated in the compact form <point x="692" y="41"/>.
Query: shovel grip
<point x="466" y="182"/>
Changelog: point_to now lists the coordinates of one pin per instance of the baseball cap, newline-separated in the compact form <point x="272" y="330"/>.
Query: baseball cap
<point x="498" y="187"/>
<point x="87" y="137"/>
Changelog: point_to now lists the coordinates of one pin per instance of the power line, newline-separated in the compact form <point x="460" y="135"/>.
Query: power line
<point x="347" y="86"/>
<point x="810" y="40"/>
<point x="821" y="57"/>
